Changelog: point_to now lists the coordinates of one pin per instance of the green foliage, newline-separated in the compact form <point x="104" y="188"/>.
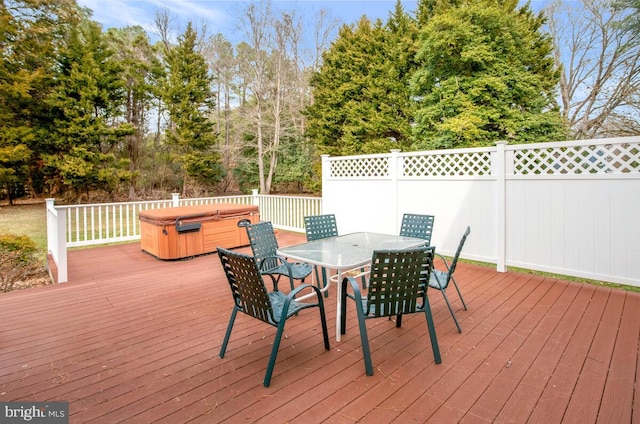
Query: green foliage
<point x="22" y="245"/>
<point x="85" y="170"/>
<point x="632" y="19"/>
<point x="189" y="100"/>
<point x="361" y="103"/>
<point x="31" y="34"/>
<point x="296" y="167"/>
<point x="460" y="74"/>
<point x="205" y="167"/>
<point x="141" y="71"/>
<point x="486" y="74"/>
<point x="18" y="260"/>
<point x="87" y="104"/>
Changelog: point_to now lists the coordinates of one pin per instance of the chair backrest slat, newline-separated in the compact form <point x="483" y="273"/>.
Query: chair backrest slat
<point x="420" y="226"/>
<point x="454" y="261"/>
<point x="320" y="226"/>
<point x="249" y="292"/>
<point x="262" y="239"/>
<point x="398" y="280"/>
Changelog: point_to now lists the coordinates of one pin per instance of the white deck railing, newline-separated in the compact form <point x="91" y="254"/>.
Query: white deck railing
<point x="102" y="223"/>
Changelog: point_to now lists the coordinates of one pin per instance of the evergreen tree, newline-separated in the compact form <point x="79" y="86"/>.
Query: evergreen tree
<point x="486" y="74"/>
<point x="189" y="100"/>
<point x="632" y="19"/>
<point x="141" y="71"/>
<point x="361" y="102"/>
<point x="401" y="41"/>
<point x="31" y="34"/>
<point x="87" y="128"/>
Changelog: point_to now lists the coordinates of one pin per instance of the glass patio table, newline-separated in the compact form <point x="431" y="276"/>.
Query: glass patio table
<point x="346" y="252"/>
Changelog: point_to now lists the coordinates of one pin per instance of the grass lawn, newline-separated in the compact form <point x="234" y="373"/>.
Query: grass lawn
<point x="26" y="219"/>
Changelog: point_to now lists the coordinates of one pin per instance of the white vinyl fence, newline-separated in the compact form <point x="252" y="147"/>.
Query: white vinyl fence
<point x="571" y="208"/>
<point x="93" y="224"/>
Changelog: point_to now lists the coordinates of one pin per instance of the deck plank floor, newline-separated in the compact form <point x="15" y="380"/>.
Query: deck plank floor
<point x="134" y="339"/>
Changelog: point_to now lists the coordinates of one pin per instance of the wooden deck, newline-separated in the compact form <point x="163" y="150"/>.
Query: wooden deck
<point x="134" y="339"/>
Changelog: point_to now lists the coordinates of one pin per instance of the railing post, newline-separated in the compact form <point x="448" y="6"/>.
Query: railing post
<point x="51" y="224"/>
<point x="326" y="172"/>
<point x="499" y="171"/>
<point x="57" y="238"/>
<point x="255" y="200"/>
<point x="175" y="199"/>
<point x="395" y="168"/>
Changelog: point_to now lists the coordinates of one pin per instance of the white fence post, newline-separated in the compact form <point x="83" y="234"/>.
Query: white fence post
<point x="57" y="238"/>
<point x="395" y="169"/>
<point x="326" y="173"/>
<point x="499" y="171"/>
<point x="175" y="199"/>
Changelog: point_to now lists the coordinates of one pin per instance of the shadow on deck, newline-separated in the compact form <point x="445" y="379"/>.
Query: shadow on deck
<point x="134" y="339"/>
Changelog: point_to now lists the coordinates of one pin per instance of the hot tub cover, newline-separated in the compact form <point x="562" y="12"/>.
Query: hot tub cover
<point x="198" y="213"/>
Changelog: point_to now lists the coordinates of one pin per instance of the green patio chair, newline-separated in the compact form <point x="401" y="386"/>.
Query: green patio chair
<point x="420" y="226"/>
<point x="320" y="226"/>
<point x="317" y="227"/>
<point x="398" y="284"/>
<point x="440" y="279"/>
<point x="416" y="225"/>
<point x="264" y="246"/>
<point x="250" y="296"/>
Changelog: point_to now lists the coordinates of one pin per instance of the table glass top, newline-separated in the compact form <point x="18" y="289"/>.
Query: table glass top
<point x="347" y="251"/>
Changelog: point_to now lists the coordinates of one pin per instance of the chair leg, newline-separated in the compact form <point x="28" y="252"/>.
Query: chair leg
<point x="315" y="269"/>
<point x="223" y="348"/>
<point x="398" y="320"/>
<point x="432" y="331"/>
<point x="324" y="281"/>
<point x="321" y="283"/>
<point x="364" y="337"/>
<point x="274" y="352"/>
<point x="446" y="299"/>
<point x="343" y="308"/>
<point x="323" y="320"/>
<point x="459" y="294"/>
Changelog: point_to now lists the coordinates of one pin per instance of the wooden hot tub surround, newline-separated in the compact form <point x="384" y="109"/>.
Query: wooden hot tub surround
<point x="186" y="231"/>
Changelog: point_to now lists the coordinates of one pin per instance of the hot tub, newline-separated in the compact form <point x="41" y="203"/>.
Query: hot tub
<point x="185" y="231"/>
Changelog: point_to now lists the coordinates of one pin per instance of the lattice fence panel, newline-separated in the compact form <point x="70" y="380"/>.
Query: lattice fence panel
<point x="361" y="167"/>
<point x="469" y="164"/>
<point x="594" y="159"/>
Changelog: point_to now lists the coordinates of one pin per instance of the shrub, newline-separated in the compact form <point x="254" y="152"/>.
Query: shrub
<point x="18" y="260"/>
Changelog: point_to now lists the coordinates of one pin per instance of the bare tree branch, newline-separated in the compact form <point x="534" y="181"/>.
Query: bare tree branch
<point x="601" y="67"/>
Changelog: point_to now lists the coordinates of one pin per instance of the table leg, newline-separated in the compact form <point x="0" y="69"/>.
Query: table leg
<point x="339" y="308"/>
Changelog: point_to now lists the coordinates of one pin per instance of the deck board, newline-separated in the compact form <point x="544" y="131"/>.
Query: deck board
<point x="134" y="339"/>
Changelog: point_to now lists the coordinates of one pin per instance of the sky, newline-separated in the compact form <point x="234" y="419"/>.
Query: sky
<point x="221" y="16"/>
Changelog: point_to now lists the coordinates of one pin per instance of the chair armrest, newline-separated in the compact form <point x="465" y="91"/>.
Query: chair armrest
<point x="278" y="259"/>
<point x="357" y="293"/>
<point x="291" y="298"/>
<point x="443" y="260"/>
<point x="292" y="294"/>
<point x="284" y="262"/>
